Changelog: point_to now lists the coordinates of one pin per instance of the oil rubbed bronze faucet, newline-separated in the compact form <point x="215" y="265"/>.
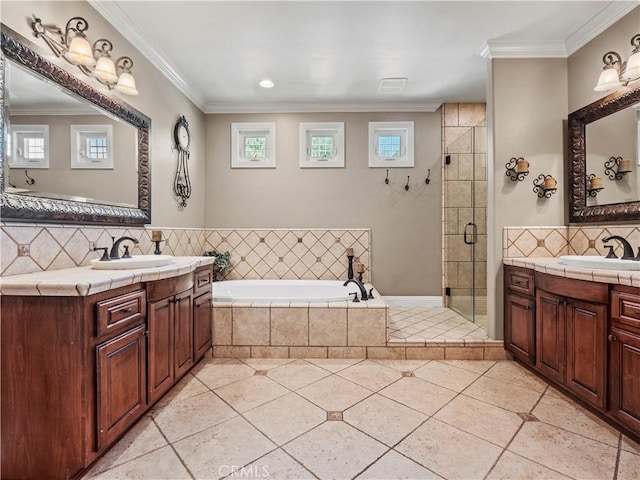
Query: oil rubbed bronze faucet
<point x="115" y="254"/>
<point x="363" y="291"/>
<point x="627" y="248"/>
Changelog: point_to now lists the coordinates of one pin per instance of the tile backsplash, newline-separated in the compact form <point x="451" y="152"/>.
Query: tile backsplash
<point x="565" y="240"/>
<point x="255" y="253"/>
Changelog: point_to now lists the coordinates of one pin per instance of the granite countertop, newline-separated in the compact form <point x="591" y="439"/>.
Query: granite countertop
<point x="552" y="266"/>
<point x="83" y="281"/>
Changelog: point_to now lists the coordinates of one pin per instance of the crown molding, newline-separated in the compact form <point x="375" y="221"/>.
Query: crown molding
<point x="609" y="15"/>
<point x="128" y="29"/>
<point x="321" y="107"/>
<point x="598" y="24"/>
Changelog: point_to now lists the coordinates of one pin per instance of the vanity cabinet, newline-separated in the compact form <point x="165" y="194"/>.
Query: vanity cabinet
<point x="79" y="371"/>
<point x="519" y="326"/>
<point x="587" y="339"/>
<point x="624" y="366"/>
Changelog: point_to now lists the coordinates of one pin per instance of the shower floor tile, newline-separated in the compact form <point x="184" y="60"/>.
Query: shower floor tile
<point x="436" y="419"/>
<point x="433" y="324"/>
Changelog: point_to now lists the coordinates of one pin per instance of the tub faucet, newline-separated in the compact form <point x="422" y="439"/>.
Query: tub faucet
<point x="115" y="254"/>
<point x="628" y="249"/>
<point x="363" y="291"/>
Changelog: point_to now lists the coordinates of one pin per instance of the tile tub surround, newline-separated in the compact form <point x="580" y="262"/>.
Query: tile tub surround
<point x="367" y="419"/>
<point x="564" y="240"/>
<point x="255" y="253"/>
<point x="299" y="330"/>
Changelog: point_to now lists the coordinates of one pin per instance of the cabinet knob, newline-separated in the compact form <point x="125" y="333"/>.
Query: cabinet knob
<point x="611" y="338"/>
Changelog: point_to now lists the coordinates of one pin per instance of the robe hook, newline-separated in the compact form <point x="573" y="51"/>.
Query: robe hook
<point x="406" y="187"/>
<point x="428" y="180"/>
<point x="386" y="180"/>
<point x="29" y="180"/>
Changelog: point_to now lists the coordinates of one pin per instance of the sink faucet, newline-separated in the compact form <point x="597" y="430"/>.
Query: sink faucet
<point x="628" y="249"/>
<point x="363" y="291"/>
<point x="115" y="254"/>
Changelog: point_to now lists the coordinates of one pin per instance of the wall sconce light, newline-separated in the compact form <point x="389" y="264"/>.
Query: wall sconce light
<point x="617" y="73"/>
<point x="545" y="186"/>
<point x="594" y="185"/>
<point x="517" y="169"/>
<point x="616" y="168"/>
<point x="73" y="46"/>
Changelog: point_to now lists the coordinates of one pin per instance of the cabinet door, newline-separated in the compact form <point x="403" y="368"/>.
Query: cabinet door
<point x="550" y="335"/>
<point x="625" y="378"/>
<point x="586" y="346"/>
<point x="121" y="373"/>
<point x="183" y="333"/>
<point x="160" y="364"/>
<point x="519" y="327"/>
<point x="201" y="325"/>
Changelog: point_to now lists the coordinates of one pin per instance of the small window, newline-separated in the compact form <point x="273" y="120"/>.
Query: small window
<point x="391" y="144"/>
<point x="91" y="146"/>
<point x="253" y="145"/>
<point x="29" y="146"/>
<point x="322" y="144"/>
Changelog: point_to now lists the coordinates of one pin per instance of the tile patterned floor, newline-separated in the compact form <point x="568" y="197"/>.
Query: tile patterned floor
<point x="436" y="324"/>
<point x="365" y="419"/>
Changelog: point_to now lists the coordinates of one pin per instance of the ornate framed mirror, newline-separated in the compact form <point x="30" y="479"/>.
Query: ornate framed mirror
<point x="21" y="59"/>
<point x="621" y="209"/>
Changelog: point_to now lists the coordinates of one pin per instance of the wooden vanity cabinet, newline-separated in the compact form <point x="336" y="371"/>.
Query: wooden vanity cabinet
<point x="624" y="350"/>
<point x="170" y="331"/>
<point x="202" y="315"/>
<point x="520" y="326"/>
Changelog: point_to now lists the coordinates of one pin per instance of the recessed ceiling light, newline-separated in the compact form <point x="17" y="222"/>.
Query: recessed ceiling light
<point x="391" y="85"/>
<point x="266" y="83"/>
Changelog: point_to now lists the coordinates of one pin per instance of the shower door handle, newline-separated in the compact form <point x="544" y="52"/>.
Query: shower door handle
<point x="470" y="233"/>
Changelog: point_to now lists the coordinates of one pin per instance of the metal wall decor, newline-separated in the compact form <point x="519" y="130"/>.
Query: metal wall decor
<point x="181" y="181"/>
<point x="594" y="185"/>
<point x="545" y="185"/>
<point x="517" y="169"/>
<point x="616" y="168"/>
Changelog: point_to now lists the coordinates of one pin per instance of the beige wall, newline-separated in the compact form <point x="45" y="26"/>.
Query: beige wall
<point x="527" y="106"/>
<point x="158" y="99"/>
<point x="405" y="226"/>
<point x="60" y="178"/>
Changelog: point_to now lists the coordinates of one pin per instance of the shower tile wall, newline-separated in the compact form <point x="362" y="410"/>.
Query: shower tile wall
<point x="276" y="253"/>
<point x="464" y="135"/>
<point x="564" y="240"/>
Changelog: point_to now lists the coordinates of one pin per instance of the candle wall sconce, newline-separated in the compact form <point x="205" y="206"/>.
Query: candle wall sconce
<point x="616" y="168"/>
<point x="545" y="186"/>
<point x="517" y="169"/>
<point x="594" y="185"/>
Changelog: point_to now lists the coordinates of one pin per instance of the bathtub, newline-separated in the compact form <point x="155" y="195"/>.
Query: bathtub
<point x="274" y="291"/>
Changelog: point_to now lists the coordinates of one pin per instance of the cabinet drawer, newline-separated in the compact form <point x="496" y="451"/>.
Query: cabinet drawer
<point x="520" y="280"/>
<point x="120" y="313"/>
<point x="202" y="280"/>
<point x="625" y="310"/>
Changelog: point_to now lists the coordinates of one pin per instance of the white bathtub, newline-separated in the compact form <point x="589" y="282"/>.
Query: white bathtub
<point x="273" y="291"/>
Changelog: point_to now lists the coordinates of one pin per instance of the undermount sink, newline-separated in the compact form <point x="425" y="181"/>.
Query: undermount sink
<point x="592" y="261"/>
<point x="138" y="261"/>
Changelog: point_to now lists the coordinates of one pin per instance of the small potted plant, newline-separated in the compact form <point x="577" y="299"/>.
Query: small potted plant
<point x="221" y="263"/>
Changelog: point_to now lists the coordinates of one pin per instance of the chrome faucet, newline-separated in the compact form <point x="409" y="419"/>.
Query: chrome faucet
<point x="115" y="254"/>
<point x="363" y="291"/>
<point x="628" y="249"/>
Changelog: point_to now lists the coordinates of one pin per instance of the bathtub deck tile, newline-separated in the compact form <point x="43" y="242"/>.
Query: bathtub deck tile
<point x="319" y="305"/>
<point x="222" y="304"/>
<point x="280" y="304"/>
<point x="366" y="328"/>
<point x="338" y="304"/>
<point x="352" y="304"/>
<point x="260" y="304"/>
<point x="241" y="304"/>
<point x="328" y="327"/>
<point x="289" y="326"/>
<point x="251" y="326"/>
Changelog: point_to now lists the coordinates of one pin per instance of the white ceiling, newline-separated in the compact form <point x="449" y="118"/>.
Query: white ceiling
<point x="325" y="55"/>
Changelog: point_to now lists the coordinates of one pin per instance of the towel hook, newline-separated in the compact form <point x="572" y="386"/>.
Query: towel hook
<point x="428" y="180"/>
<point x="29" y="180"/>
<point x="386" y="180"/>
<point x="406" y="187"/>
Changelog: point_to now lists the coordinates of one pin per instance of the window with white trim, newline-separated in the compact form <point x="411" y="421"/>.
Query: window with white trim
<point x="253" y="145"/>
<point x="391" y="144"/>
<point x="322" y="144"/>
<point x="29" y="146"/>
<point x="91" y="146"/>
